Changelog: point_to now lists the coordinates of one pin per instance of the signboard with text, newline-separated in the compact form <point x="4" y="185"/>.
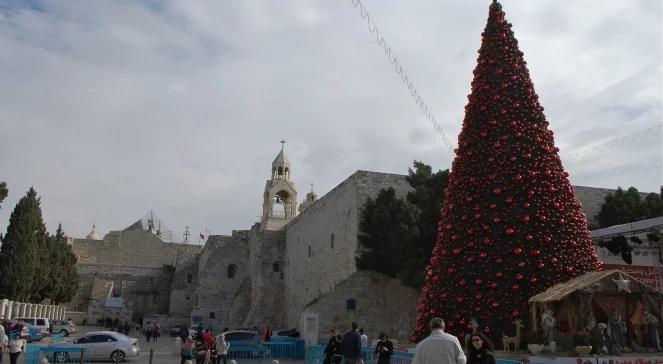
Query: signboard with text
<point x="652" y="276"/>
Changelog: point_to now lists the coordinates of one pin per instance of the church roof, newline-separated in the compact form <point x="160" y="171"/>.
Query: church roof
<point x="281" y="160"/>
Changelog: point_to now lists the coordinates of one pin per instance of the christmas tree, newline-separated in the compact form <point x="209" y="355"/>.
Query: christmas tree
<point x="510" y="226"/>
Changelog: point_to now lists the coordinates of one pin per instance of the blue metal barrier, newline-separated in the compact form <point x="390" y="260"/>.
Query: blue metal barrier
<point x="34" y="353"/>
<point x="315" y="355"/>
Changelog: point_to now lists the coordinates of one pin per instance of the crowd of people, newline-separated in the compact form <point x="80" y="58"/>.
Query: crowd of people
<point x="12" y="340"/>
<point x="205" y="348"/>
<point x="438" y="347"/>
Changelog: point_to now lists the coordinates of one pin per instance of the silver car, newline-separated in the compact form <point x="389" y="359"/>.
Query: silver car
<point x="98" y="345"/>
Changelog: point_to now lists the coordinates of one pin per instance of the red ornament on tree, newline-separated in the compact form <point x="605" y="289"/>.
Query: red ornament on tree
<point x="504" y="147"/>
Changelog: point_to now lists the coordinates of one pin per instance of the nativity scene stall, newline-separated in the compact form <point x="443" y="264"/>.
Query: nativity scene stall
<point x="608" y="310"/>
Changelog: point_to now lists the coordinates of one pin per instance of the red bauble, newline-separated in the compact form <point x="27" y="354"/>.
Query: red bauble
<point x="517" y="251"/>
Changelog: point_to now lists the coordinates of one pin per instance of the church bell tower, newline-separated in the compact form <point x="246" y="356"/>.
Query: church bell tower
<point x="280" y="198"/>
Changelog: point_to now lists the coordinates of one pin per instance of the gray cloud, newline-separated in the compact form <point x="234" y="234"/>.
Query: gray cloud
<point x="113" y="108"/>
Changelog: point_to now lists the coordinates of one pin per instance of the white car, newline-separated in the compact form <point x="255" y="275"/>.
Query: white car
<point x="98" y="345"/>
<point x="38" y="322"/>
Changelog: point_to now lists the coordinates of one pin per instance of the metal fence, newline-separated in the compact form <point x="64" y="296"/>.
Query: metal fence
<point x="292" y="349"/>
<point x="33" y="354"/>
<point x="316" y="355"/>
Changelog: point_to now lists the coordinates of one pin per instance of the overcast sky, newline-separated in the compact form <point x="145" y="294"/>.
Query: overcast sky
<point x="112" y="108"/>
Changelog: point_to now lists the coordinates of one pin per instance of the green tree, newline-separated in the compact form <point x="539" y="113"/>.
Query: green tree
<point x="21" y="250"/>
<point x="64" y="276"/>
<point x="388" y="236"/>
<point x="428" y="196"/>
<point x="622" y="207"/>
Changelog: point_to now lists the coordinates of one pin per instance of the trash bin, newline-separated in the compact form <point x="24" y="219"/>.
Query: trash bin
<point x="177" y="346"/>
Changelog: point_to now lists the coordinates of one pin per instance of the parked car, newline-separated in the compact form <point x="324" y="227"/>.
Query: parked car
<point x="63" y="327"/>
<point x="41" y="323"/>
<point x="175" y="330"/>
<point x="194" y="330"/>
<point x="245" y="344"/>
<point x="33" y="333"/>
<point x="99" y="345"/>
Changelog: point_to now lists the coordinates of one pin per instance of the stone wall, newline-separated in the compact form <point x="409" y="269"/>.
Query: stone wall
<point x="131" y="248"/>
<point x="382" y="304"/>
<point x="267" y="261"/>
<point x="321" y="243"/>
<point x="219" y="288"/>
<point x="143" y="289"/>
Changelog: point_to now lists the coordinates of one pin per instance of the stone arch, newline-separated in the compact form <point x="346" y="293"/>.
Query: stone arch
<point x="280" y="172"/>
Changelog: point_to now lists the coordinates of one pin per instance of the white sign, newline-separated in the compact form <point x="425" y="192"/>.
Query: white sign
<point x="309" y="328"/>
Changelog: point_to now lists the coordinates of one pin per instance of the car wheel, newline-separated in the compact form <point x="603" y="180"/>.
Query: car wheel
<point x="64" y="331"/>
<point x="117" y="356"/>
<point x="60" y="357"/>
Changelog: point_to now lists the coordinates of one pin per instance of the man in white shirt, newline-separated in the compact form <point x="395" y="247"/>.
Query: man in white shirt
<point x="439" y="347"/>
<point x="364" y="339"/>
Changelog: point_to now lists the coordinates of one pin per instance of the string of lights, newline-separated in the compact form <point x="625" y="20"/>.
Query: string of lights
<point x="643" y="166"/>
<point x="614" y="143"/>
<point x="398" y="67"/>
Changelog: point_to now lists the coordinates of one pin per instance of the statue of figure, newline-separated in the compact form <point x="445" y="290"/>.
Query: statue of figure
<point x="548" y="326"/>
<point x="617" y="329"/>
<point x="649" y="327"/>
<point x="599" y="340"/>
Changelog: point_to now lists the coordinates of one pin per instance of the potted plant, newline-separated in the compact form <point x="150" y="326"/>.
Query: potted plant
<point x="581" y="341"/>
<point x="535" y="342"/>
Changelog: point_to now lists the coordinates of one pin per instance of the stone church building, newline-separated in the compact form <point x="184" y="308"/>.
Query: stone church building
<point x="299" y="258"/>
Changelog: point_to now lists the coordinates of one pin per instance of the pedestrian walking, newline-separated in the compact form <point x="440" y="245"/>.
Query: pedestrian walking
<point x="330" y="349"/>
<point x="202" y="351"/>
<point x="137" y="327"/>
<point x="351" y="346"/>
<point x="186" y="353"/>
<point x="16" y="346"/>
<point x="438" y="347"/>
<point x="364" y="343"/>
<point x="183" y="333"/>
<point x="148" y="331"/>
<point x="480" y="350"/>
<point x="156" y="331"/>
<point x="221" y="347"/>
<point x="4" y="340"/>
<point x="384" y="349"/>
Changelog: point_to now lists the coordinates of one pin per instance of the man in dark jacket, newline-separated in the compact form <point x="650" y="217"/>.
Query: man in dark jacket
<point x="352" y="346"/>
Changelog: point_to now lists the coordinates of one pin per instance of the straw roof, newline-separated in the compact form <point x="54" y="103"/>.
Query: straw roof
<point x="560" y="291"/>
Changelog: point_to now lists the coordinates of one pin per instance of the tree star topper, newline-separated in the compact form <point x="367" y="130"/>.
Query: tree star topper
<point x="622" y="284"/>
